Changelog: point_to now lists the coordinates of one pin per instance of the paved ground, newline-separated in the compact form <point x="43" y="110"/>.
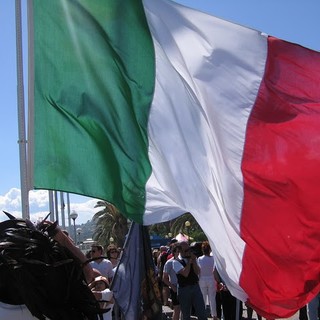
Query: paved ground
<point x="167" y="314"/>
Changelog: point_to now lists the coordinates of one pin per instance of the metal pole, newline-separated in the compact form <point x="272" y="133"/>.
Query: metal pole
<point x="75" y="231"/>
<point x="62" y="205"/>
<point x="51" y="205"/>
<point x="68" y="208"/>
<point x="74" y="216"/>
<point x="56" y="207"/>
<point x="21" y="117"/>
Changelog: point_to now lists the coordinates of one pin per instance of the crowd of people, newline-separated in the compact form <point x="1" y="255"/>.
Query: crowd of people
<point x="190" y="284"/>
<point x="190" y="279"/>
<point x="187" y="278"/>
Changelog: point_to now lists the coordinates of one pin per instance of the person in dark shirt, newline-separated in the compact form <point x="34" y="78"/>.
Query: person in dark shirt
<point x="189" y="293"/>
<point x="228" y="301"/>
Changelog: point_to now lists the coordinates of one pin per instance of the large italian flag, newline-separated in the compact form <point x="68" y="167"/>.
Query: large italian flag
<point x="161" y="110"/>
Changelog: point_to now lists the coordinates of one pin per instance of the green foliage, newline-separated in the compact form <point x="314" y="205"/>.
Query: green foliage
<point x="110" y="223"/>
<point x="178" y="225"/>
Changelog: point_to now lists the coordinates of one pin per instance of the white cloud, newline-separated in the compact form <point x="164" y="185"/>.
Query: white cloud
<point x="12" y="199"/>
<point x="39" y="205"/>
<point x="38" y="198"/>
<point x="85" y="209"/>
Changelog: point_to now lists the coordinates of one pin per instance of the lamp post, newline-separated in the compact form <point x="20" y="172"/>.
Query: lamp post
<point x="111" y="240"/>
<point x="187" y="225"/>
<point x="79" y="230"/>
<point x="74" y="216"/>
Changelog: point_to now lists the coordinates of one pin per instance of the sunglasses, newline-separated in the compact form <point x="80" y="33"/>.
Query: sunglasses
<point x="113" y="251"/>
<point x="93" y="251"/>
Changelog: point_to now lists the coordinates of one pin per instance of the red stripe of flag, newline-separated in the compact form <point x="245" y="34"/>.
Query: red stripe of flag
<point x="281" y="168"/>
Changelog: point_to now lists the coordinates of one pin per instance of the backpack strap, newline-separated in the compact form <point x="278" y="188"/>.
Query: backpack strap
<point x="182" y="262"/>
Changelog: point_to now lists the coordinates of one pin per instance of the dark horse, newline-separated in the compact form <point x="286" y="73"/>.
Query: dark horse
<point x="38" y="272"/>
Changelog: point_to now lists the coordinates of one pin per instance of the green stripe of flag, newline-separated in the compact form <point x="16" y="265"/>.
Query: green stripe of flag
<point x="94" y="82"/>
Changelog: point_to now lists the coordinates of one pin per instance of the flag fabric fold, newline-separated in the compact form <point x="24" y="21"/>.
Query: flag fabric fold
<point x="134" y="285"/>
<point x="162" y="109"/>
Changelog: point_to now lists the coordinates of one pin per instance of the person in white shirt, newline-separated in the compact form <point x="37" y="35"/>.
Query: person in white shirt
<point x="104" y="266"/>
<point x="207" y="282"/>
<point x="100" y="288"/>
<point x="169" y="277"/>
<point x="113" y="255"/>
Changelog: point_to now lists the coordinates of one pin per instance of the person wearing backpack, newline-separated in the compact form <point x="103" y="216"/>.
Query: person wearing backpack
<point x="189" y="292"/>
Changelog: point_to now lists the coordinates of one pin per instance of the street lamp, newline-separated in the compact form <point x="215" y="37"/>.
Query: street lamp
<point x="74" y="216"/>
<point x="187" y="225"/>
<point x="79" y="230"/>
<point x="111" y="240"/>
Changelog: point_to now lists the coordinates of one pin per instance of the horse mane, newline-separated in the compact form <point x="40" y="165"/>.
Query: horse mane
<point x="38" y="272"/>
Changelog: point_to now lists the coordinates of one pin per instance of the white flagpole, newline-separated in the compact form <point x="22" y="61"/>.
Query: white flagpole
<point x="62" y="205"/>
<point x="21" y="117"/>
<point x="56" y="205"/>
<point x="51" y="205"/>
<point x="68" y="207"/>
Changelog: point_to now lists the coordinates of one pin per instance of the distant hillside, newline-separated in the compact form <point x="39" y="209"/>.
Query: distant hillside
<point x="87" y="230"/>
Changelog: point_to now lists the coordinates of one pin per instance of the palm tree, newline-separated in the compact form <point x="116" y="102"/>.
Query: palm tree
<point x="179" y="225"/>
<point x="161" y="229"/>
<point x="110" y="223"/>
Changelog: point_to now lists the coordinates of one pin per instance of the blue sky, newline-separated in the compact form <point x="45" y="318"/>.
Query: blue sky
<point x="292" y="20"/>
